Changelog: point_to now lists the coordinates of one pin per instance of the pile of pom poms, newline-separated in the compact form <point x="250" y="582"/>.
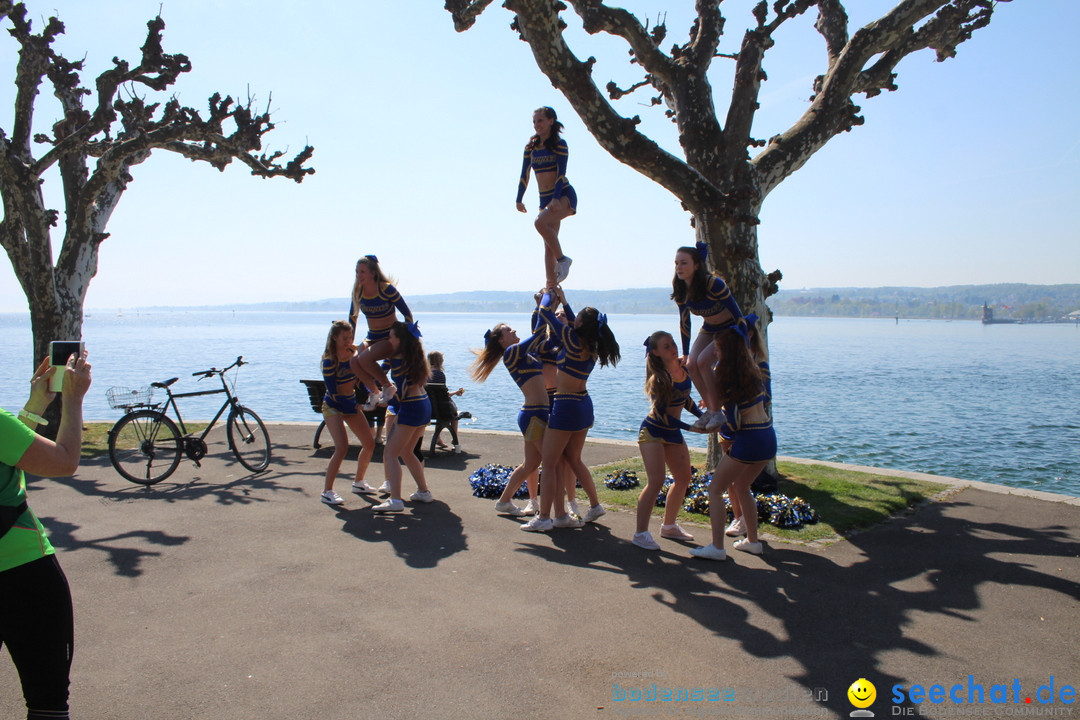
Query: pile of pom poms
<point x="774" y="509"/>
<point x="490" y="480"/>
<point x="621" y="480"/>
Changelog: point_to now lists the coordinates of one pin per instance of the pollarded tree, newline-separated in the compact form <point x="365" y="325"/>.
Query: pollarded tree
<point x="94" y="149"/>
<point x="724" y="178"/>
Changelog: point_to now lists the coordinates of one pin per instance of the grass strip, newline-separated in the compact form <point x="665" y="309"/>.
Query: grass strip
<point x="845" y="500"/>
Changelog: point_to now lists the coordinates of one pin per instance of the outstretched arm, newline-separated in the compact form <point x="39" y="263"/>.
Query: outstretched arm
<point x="45" y="457"/>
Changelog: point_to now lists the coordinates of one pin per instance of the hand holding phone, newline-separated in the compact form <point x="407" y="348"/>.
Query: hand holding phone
<point x="59" y="352"/>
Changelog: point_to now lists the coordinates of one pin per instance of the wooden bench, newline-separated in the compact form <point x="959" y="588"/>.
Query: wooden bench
<point x="442" y="410"/>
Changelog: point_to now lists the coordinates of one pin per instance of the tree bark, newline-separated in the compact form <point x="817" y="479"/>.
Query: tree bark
<point x="94" y="149"/>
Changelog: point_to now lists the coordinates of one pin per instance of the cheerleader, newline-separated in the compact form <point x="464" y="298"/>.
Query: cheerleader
<point x="546" y="155"/>
<point x="410" y="370"/>
<point x="379" y="302"/>
<point x="660" y="439"/>
<point x="339" y="410"/>
<point x="697" y="292"/>
<point x="586" y="340"/>
<point x="502" y="343"/>
<point x="744" y="391"/>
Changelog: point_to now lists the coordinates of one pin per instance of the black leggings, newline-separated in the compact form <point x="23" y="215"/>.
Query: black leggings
<point x="37" y="625"/>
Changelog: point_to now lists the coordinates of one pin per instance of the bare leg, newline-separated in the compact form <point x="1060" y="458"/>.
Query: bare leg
<point x="413" y="463"/>
<point x="551" y="491"/>
<point x="335" y="424"/>
<point x="526" y="469"/>
<point x="678" y="461"/>
<point x="731" y="473"/>
<point x="547" y="224"/>
<point x="359" y="425"/>
<point x="652" y="455"/>
<point x="699" y="364"/>
<point x="365" y="364"/>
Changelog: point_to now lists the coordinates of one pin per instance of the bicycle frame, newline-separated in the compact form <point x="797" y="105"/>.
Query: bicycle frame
<point x="229" y="403"/>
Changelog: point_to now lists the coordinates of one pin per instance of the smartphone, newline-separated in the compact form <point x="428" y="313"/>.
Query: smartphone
<point x="59" y="352"/>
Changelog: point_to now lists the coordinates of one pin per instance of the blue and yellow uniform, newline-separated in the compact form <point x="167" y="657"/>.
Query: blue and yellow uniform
<point x="570" y="411"/>
<point x="415" y="410"/>
<point x="336" y="376"/>
<point x="718" y="298"/>
<point x="523" y="366"/>
<point x="541" y="160"/>
<point x="661" y="426"/>
<point x="751" y="442"/>
<point x="386" y="300"/>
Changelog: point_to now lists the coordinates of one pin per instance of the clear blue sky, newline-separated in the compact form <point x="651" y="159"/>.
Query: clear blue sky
<point x="968" y="174"/>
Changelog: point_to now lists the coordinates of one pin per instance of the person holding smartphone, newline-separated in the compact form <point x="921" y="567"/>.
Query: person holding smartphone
<point x="36" y="620"/>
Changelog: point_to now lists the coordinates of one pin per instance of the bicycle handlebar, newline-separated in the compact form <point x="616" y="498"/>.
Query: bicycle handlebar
<point x="214" y="371"/>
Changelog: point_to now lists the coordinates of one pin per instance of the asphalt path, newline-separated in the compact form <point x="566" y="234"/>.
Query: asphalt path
<point x="218" y="594"/>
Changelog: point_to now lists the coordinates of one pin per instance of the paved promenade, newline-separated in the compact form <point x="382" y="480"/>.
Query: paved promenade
<point x="220" y="595"/>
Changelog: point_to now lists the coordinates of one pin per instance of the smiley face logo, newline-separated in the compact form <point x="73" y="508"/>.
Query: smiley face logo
<point x="862" y="693"/>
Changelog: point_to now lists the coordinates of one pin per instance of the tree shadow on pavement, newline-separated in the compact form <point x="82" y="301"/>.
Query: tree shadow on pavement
<point x="841" y="617"/>
<point x="422" y="535"/>
<point x="188" y="483"/>
<point x="125" y="558"/>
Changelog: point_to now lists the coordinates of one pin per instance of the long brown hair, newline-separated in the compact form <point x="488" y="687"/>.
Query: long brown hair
<point x="695" y="290"/>
<point x="597" y="337"/>
<point x="553" y="137"/>
<point x="659" y="385"/>
<point x="490" y="355"/>
<point x="336" y="328"/>
<point x="411" y="352"/>
<point x="738" y="377"/>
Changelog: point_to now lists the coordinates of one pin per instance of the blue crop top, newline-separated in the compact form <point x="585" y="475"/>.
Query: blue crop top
<point x="336" y="375"/>
<point x="520" y="361"/>
<point x="382" y="305"/>
<point x="732" y="420"/>
<point x="574" y="359"/>
<point x="540" y="159"/>
<point x="718" y="298"/>
<point x="680" y="398"/>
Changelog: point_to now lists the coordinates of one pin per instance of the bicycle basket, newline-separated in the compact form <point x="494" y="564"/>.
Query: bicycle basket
<point x="121" y="398"/>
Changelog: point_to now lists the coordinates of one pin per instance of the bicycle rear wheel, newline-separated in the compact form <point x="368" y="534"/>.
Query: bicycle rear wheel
<point x="248" y="439"/>
<point x="145" y="446"/>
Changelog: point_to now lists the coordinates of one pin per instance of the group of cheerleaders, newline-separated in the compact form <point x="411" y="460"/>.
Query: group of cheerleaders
<point x="551" y="367"/>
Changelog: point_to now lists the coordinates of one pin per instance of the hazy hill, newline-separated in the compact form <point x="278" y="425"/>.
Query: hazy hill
<point x="964" y="302"/>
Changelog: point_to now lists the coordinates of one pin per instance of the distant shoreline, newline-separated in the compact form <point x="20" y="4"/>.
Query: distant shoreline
<point x="1013" y="302"/>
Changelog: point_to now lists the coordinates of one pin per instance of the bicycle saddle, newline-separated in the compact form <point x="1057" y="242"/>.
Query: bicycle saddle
<point x="165" y="384"/>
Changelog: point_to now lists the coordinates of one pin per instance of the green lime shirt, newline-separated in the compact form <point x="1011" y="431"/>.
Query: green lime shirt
<point x="26" y="540"/>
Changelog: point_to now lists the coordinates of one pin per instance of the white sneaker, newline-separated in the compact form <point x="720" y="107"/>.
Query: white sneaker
<point x="532" y="507"/>
<point x="538" y="524"/>
<point x="594" y="513"/>
<point x="674" y="532"/>
<point x="754" y="548"/>
<point x="362" y="488"/>
<point x="391" y="505"/>
<point x="736" y="528"/>
<point x="709" y="552"/>
<point x="645" y="540"/>
<point x="385" y="488"/>
<point x="562" y="268"/>
<point x="716" y="421"/>
<point x="571" y="507"/>
<point x="702" y="422"/>
<point x="568" y="521"/>
<point x="509" y="508"/>
<point x="423" y="496"/>
<point x="332" y="498"/>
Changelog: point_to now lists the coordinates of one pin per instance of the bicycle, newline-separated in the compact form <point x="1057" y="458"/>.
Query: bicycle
<point x="145" y="445"/>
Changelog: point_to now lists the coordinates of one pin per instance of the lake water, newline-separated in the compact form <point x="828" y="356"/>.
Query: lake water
<point x="993" y="403"/>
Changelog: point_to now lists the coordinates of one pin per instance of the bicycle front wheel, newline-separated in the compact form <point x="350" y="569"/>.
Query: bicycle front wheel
<point x="145" y="446"/>
<point x="248" y="439"/>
